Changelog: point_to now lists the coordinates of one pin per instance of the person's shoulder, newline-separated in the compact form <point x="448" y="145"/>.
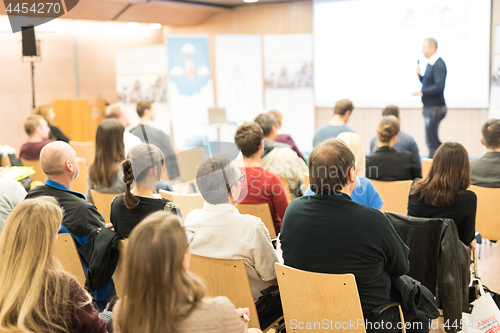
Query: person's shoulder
<point x="219" y="302"/>
<point x="468" y="194"/>
<point x="119" y="199"/>
<point x="8" y="185"/>
<point x="406" y="138"/>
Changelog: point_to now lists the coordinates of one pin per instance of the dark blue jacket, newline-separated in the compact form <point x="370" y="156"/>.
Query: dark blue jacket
<point x="433" y="84"/>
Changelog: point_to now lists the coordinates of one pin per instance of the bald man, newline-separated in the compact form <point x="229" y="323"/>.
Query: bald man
<point x="58" y="161"/>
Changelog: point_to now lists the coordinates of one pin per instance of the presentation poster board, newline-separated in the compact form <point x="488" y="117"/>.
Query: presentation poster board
<point x="495" y="76"/>
<point x="239" y="80"/>
<point x="288" y="77"/>
<point x="190" y="88"/>
<point x="141" y="74"/>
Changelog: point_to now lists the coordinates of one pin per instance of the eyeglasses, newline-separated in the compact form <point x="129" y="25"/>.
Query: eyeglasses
<point x="242" y="176"/>
<point x="190" y="237"/>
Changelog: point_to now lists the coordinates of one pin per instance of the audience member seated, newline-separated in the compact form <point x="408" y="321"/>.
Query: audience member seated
<point x="105" y="174"/>
<point x="117" y="111"/>
<point x="285" y="138"/>
<point x="341" y="113"/>
<point x="36" y="295"/>
<point x="443" y="192"/>
<point x="38" y="132"/>
<point x="485" y="171"/>
<point x="222" y="232"/>
<point x="386" y="163"/>
<point x="47" y="113"/>
<point x="404" y="141"/>
<point x="161" y="294"/>
<point x="58" y="161"/>
<point x="144" y="168"/>
<point x="155" y="136"/>
<point x="329" y="233"/>
<point x="363" y="192"/>
<point x="11" y="194"/>
<point x="261" y="186"/>
<point x="279" y="158"/>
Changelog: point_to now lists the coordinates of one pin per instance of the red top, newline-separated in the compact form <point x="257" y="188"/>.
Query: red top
<point x="261" y="186"/>
<point x="31" y="150"/>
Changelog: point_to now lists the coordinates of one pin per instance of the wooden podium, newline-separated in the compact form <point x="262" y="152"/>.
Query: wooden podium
<point x="78" y="118"/>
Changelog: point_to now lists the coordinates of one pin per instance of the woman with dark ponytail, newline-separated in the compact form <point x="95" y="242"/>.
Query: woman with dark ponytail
<point x="386" y="163"/>
<point x="143" y="168"/>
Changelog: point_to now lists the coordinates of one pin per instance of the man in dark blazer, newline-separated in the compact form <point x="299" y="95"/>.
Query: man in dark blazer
<point x="432" y="94"/>
<point x="485" y="171"/>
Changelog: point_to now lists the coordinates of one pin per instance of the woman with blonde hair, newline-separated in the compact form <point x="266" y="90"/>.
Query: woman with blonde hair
<point x="386" y="163"/>
<point x="36" y="295"/>
<point x="160" y="294"/>
<point x="47" y="112"/>
<point x="364" y="192"/>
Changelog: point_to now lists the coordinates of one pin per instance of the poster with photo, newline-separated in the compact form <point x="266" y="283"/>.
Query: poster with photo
<point x="240" y="91"/>
<point x="288" y="77"/>
<point x="141" y="74"/>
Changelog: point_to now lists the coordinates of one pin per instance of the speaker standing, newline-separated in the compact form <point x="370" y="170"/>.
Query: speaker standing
<point x="432" y="93"/>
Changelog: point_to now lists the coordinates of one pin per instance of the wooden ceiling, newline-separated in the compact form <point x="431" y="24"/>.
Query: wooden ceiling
<point x="167" y="12"/>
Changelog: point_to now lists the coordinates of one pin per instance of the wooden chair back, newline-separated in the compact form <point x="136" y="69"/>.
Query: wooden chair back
<point x="118" y="276"/>
<point x="226" y="277"/>
<point x="262" y="211"/>
<point x="426" y="166"/>
<point x="67" y="254"/>
<point x="311" y="297"/>
<point x="39" y="175"/>
<point x="102" y="201"/>
<point x="189" y="161"/>
<point x="5" y="161"/>
<point x="488" y="211"/>
<point x="80" y="183"/>
<point x="284" y="181"/>
<point x="395" y="195"/>
<point x="186" y="202"/>
<point x="84" y="150"/>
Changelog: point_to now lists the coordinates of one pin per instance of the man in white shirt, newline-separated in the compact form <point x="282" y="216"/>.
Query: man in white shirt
<point x="117" y="111"/>
<point x="221" y="232"/>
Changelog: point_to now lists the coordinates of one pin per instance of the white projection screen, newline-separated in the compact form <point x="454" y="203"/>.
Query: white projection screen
<point x="367" y="50"/>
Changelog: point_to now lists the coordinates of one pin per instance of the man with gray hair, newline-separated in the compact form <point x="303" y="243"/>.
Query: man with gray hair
<point x="279" y="158"/>
<point x="222" y="232"/>
<point x="432" y="94"/>
<point x="58" y="161"/>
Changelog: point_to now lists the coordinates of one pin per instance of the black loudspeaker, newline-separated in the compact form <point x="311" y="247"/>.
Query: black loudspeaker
<point x="29" y="41"/>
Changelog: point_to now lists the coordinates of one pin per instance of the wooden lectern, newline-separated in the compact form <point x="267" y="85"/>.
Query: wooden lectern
<point x="78" y="118"/>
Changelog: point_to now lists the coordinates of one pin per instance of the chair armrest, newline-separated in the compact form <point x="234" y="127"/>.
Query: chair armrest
<point x="381" y="308"/>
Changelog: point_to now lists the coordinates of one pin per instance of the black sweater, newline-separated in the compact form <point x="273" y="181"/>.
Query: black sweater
<point x="433" y="84"/>
<point x="387" y="164"/>
<point x="463" y="213"/>
<point x="330" y="233"/>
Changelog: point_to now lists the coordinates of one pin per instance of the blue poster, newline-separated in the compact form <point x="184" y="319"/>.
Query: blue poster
<point x="190" y="88"/>
<point x="189" y="63"/>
